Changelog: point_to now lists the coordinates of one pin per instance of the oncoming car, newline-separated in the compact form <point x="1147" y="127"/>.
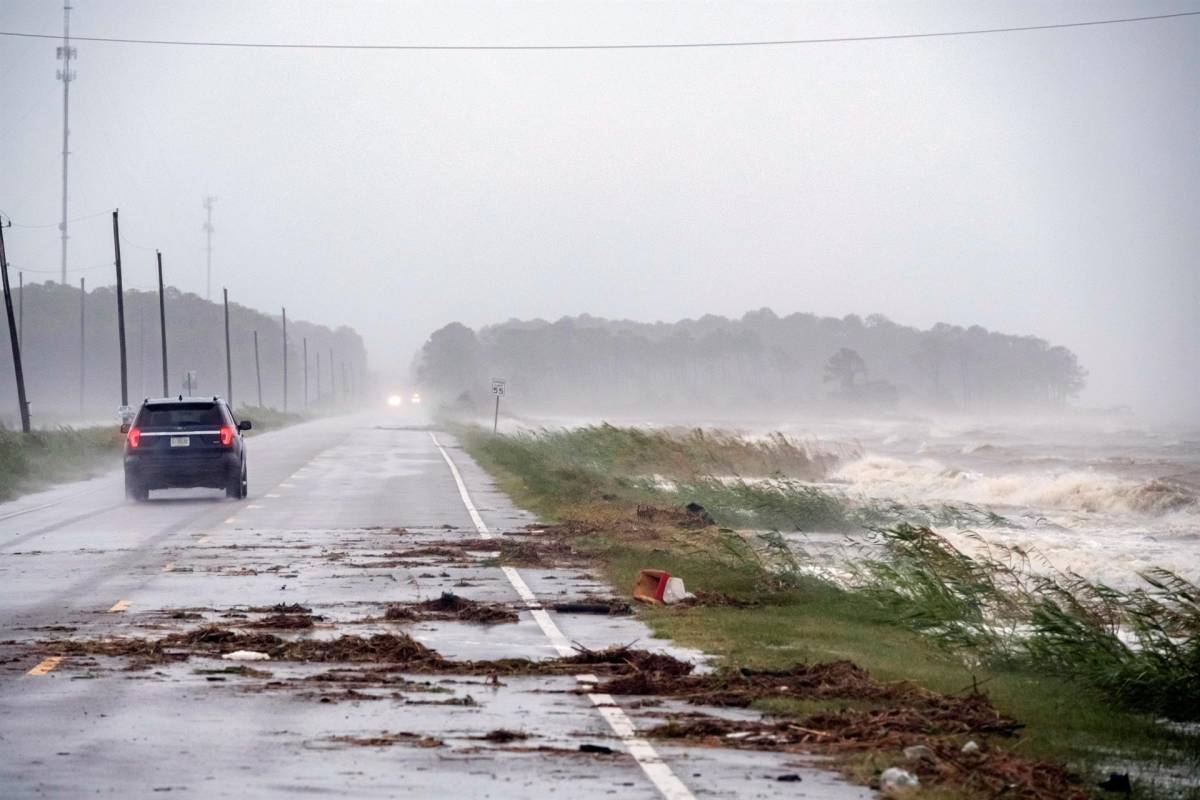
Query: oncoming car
<point x="185" y="442"/>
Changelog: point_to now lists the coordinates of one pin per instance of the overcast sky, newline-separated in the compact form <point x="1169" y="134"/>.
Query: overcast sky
<point x="1039" y="182"/>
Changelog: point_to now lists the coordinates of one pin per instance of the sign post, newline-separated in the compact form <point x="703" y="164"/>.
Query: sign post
<point x="498" y="385"/>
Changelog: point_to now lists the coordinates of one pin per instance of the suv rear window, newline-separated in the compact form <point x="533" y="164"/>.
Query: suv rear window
<point x="180" y="415"/>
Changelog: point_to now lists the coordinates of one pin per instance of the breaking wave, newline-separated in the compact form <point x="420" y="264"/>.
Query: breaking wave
<point x="928" y="481"/>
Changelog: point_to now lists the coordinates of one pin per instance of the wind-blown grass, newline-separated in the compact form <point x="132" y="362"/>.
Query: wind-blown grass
<point x="594" y="463"/>
<point x="29" y="461"/>
<point x="1141" y="647"/>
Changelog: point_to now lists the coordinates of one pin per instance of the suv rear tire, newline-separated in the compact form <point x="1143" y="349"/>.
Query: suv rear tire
<point x="237" y="487"/>
<point x="134" y="490"/>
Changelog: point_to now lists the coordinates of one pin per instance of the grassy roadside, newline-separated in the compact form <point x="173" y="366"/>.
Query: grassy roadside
<point x="594" y="480"/>
<point x="44" y="457"/>
<point x="33" y="461"/>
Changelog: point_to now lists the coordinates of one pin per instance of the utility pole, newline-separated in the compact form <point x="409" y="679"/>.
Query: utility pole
<point x="162" y="321"/>
<point x="82" y="344"/>
<point x="318" y="377"/>
<point x="141" y="307"/>
<point x="228" y="354"/>
<point x="21" y="306"/>
<point x="12" y="337"/>
<point x="285" y="360"/>
<point x="305" y="373"/>
<point x="257" y="370"/>
<point x="120" y="314"/>
<point x="208" y="232"/>
<point x="66" y="54"/>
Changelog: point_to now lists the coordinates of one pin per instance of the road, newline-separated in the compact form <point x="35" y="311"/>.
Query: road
<point x="334" y="504"/>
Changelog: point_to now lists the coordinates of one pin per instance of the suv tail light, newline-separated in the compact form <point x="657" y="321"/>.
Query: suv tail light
<point x="134" y="437"/>
<point x="226" y="435"/>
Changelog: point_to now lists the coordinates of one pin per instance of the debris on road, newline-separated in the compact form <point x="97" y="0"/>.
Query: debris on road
<point x="611" y="606"/>
<point x="283" y="621"/>
<point x="451" y="606"/>
<point x="502" y="736"/>
<point x="387" y="739"/>
<point x="598" y="749"/>
<point x="641" y="661"/>
<point x="280" y="608"/>
<point x="242" y="670"/>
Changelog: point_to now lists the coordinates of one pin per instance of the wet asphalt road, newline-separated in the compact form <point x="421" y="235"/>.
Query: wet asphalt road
<point x="325" y="501"/>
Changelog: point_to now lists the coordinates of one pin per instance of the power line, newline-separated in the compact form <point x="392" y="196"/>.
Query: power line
<point x="622" y="46"/>
<point x="57" y="270"/>
<point x="56" y="224"/>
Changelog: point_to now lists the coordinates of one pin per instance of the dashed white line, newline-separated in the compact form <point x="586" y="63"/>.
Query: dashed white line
<point x="119" y="606"/>
<point x="658" y="771"/>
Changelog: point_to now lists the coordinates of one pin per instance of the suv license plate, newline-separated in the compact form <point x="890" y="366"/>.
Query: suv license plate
<point x="180" y="441"/>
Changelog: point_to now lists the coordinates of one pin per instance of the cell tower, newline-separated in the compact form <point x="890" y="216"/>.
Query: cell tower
<point x="208" y="230"/>
<point x="66" y="54"/>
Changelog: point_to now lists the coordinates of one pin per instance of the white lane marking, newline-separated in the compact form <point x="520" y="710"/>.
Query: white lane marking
<point x="202" y="540"/>
<point x="230" y="521"/>
<point x="169" y="566"/>
<point x="462" y="491"/>
<point x="270" y="495"/>
<point x="658" y="771"/>
<point x="253" y="505"/>
<point x="287" y="486"/>
<point x="119" y="606"/>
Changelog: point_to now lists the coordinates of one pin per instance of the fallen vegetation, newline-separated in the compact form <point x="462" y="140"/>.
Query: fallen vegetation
<point x="385" y="652"/>
<point x="450" y="606"/>
<point x="1075" y="698"/>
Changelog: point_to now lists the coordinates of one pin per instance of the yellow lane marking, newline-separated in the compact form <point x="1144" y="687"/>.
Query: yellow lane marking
<point x="202" y="540"/>
<point x="120" y="605"/>
<point x="45" y="665"/>
<point x="170" y="565"/>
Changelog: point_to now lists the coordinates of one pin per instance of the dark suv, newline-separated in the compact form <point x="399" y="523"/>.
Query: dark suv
<point x="184" y="442"/>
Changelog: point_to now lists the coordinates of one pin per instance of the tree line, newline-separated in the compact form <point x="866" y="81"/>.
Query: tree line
<point x="51" y="348"/>
<point x="760" y="361"/>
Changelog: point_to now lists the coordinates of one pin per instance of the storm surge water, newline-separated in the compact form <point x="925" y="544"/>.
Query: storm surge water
<point x="1092" y="492"/>
<point x="1104" y="501"/>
